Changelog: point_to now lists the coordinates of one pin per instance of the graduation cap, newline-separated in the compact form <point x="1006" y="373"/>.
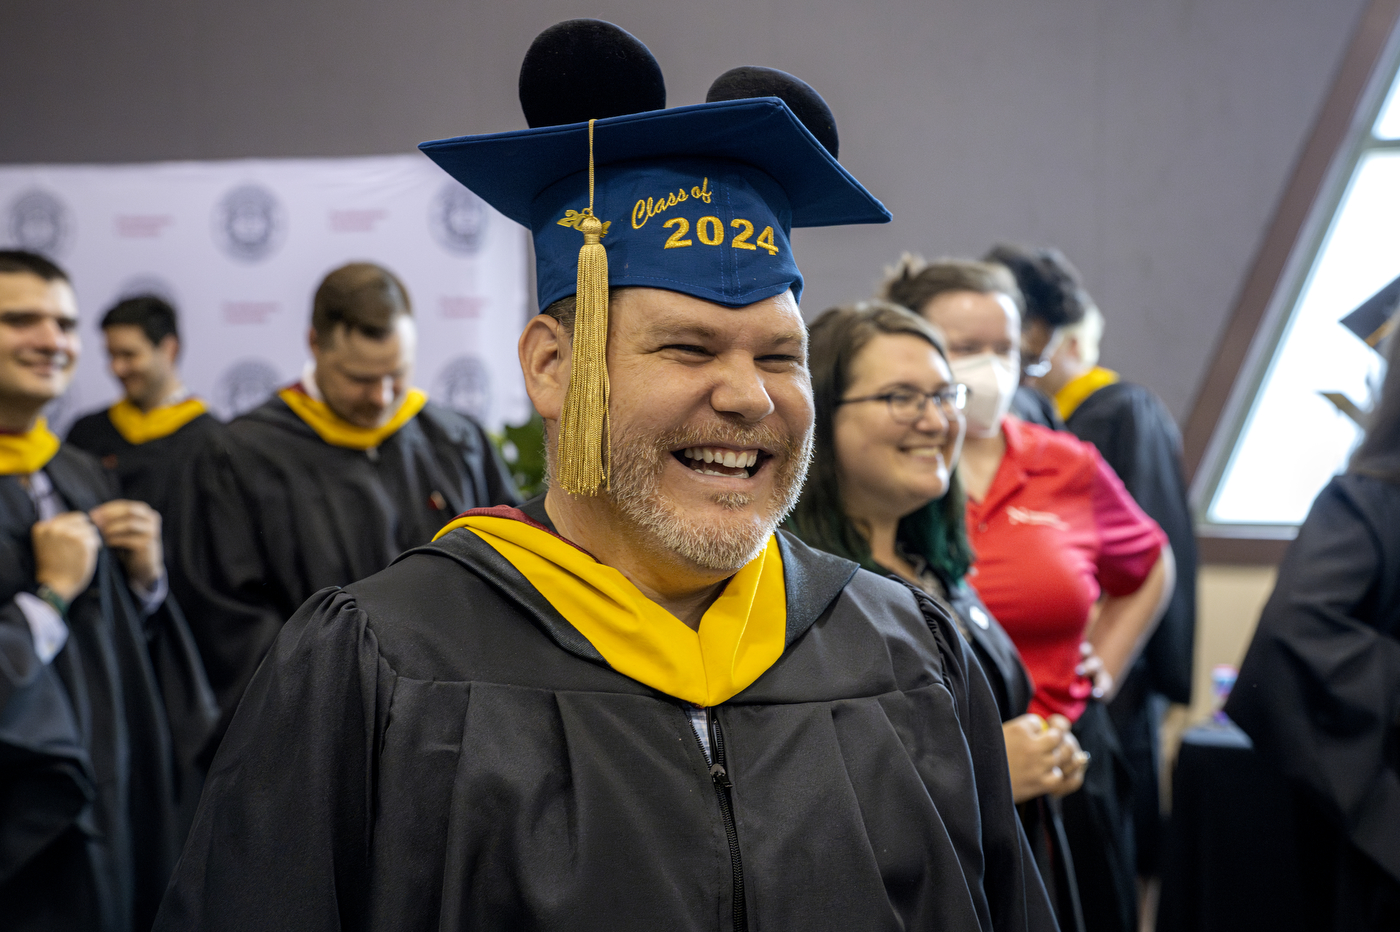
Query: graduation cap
<point x="619" y="191"/>
<point x="1375" y="318"/>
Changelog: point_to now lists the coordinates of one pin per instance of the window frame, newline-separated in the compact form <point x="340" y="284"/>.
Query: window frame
<point x="1342" y="135"/>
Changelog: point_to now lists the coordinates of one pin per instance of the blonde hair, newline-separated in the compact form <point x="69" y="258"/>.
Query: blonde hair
<point x="1088" y="333"/>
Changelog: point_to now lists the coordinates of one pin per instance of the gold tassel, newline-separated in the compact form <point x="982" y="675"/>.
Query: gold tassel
<point x="583" y="429"/>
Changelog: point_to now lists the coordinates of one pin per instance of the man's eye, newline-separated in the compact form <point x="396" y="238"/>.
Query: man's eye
<point x="67" y="326"/>
<point x="903" y="398"/>
<point x="686" y="348"/>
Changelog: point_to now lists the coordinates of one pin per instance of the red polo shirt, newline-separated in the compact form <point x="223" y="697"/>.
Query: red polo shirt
<point x="1055" y="530"/>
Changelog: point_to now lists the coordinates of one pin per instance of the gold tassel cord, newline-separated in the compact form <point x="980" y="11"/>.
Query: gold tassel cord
<point x="584" y="429"/>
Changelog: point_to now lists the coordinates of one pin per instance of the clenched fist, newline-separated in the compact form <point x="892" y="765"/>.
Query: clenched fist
<point x="65" y="553"/>
<point x="132" y="529"/>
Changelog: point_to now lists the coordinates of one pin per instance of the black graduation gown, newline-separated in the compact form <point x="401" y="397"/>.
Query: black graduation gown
<point x="1012" y="688"/>
<point x="271" y="513"/>
<point x="1032" y="406"/>
<point x="1319" y="694"/>
<point x="148" y="472"/>
<point x="98" y="774"/>
<point x="435" y="747"/>
<point x="1136" y="435"/>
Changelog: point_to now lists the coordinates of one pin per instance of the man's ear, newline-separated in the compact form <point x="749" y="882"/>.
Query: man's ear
<point x="169" y="347"/>
<point x="1073" y="349"/>
<point x="546" y="359"/>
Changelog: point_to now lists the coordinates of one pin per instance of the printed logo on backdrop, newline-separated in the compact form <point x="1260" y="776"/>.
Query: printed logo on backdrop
<point x="249" y="223"/>
<point x="457" y="219"/>
<point x="464" y="385"/>
<point x="39" y="222"/>
<point x="245" y="385"/>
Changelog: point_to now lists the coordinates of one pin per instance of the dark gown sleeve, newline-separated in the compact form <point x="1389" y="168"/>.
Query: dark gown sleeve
<point x="1031" y="406"/>
<point x="1015" y="893"/>
<point x="1319" y="689"/>
<point x="1136" y="435"/>
<point x="46" y="775"/>
<point x="281" y="839"/>
<point x="218" y="573"/>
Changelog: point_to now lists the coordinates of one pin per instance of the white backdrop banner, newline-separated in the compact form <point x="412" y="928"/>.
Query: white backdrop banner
<point x="240" y="246"/>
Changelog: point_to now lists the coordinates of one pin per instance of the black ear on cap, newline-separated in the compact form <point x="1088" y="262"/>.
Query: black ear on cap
<point x="586" y="69"/>
<point x="806" y="104"/>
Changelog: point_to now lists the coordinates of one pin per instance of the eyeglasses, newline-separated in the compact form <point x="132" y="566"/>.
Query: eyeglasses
<point x="906" y="407"/>
<point x="1035" y="368"/>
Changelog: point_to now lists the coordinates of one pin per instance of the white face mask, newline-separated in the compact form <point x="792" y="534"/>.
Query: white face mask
<point x="991" y="380"/>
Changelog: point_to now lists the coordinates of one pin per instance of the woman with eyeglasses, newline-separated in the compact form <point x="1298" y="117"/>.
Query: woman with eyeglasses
<point x="882" y="492"/>
<point x="1065" y="557"/>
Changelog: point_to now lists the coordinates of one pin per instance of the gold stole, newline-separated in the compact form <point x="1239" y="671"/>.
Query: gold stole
<point x="138" y="427"/>
<point x="1069" y="398"/>
<point x="338" y="432"/>
<point x="740" y="636"/>
<point x="22" y="454"/>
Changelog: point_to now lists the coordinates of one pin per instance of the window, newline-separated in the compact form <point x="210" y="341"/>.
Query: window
<point x="1287" y="430"/>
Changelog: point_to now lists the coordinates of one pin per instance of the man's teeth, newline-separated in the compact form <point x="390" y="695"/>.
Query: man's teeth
<point x="740" y="459"/>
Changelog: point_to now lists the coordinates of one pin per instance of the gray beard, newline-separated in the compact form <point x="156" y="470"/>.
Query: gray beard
<point x="634" y="486"/>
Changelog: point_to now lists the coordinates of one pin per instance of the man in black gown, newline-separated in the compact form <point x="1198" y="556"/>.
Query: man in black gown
<point x="103" y="703"/>
<point x="148" y="437"/>
<point x="628" y="704"/>
<point x="1136" y="435"/>
<point x="324" y="483"/>
<point x="1319" y="689"/>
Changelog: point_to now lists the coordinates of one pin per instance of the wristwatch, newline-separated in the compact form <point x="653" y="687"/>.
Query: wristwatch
<point x="58" y="602"/>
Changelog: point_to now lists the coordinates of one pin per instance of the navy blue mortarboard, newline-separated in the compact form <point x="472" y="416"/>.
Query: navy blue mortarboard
<point x="699" y="200"/>
<point x="1375" y="318"/>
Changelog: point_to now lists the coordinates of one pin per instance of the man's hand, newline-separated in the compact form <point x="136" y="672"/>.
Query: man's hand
<point x="1044" y="757"/>
<point x="132" y="529"/>
<point x="65" y="553"/>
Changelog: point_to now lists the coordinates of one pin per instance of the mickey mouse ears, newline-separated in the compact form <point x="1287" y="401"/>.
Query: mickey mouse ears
<point x="583" y="70"/>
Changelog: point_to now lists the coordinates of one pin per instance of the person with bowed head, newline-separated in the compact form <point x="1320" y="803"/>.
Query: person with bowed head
<point x="1319" y="689"/>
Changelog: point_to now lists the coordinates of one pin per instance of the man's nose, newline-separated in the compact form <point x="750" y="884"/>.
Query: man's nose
<point x="740" y="390"/>
<point x="51" y="336"/>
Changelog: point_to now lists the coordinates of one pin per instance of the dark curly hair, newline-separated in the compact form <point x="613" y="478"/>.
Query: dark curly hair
<point x="1053" y="288"/>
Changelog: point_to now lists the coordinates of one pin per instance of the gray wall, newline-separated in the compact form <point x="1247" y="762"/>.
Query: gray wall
<point x="1149" y="139"/>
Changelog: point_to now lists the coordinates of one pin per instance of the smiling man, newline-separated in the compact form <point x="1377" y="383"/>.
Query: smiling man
<point x="629" y="704"/>
<point x="149" y="436"/>
<point x="103" y="703"/>
<point x="324" y="483"/>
